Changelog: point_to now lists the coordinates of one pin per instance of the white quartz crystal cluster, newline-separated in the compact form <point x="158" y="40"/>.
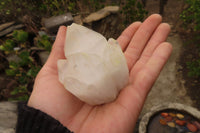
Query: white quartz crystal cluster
<point x="95" y="70"/>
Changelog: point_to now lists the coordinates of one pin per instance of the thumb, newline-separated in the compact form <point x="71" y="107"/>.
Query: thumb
<point x="57" y="51"/>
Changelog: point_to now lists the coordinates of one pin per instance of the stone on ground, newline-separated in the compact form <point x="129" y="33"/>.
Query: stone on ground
<point x="101" y="14"/>
<point x="8" y="117"/>
<point x="52" y="24"/>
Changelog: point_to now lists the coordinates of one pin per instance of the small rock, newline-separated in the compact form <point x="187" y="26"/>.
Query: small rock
<point x="6" y="25"/>
<point x="112" y="9"/>
<point x="171" y="124"/>
<point x="164" y="115"/>
<point x="13" y="57"/>
<point x="180" y="116"/>
<point x="8" y="115"/>
<point x="43" y="56"/>
<point x="16" y="48"/>
<point x="163" y="122"/>
<point x="42" y="33"/>
<point x="168" y="118"/>
<point x="10" y="29"/>
<point x="180" y="122"/>
<point x="36" y="48"/>
<point x="78" y="20"/>
<point x="192" y="127"/>
<point x="172" y="114"/>
<point x="101" y="14"/>
<point x="52" y="24"/>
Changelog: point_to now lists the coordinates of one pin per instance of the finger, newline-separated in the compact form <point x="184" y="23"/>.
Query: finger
<point x="141" y="38"/>
<point x="57" y="51"/>
<point x="150" y="71"/>
<point x="144" y="80"/>
<point x="158" y="60"/>
<point x="159" y="36"/>
<point x="127" y="34"/>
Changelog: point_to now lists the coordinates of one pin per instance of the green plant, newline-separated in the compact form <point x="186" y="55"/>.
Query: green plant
<point x="17" y="8"/>
<point x="194" y="68"/>
<point x="44" y="42"/>
<point x="96" y="4"/>
<point x="14" y="8"/>
<point x="191" y="20"/>
<point x="23" y="70"/>
<point x="7" y="46"/>
<point x="56" y="7"/>
<point x="20" y="36"/>
<point x="133" y="10"/>
<point x="191" y="15"/>
<point x="71" y="6"/>
<point x="20" y="93"/>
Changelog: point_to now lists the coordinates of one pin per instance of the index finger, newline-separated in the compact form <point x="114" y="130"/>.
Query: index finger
<point x="127" y="35"/>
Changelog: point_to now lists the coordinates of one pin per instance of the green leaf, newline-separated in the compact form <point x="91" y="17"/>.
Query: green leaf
<point x="2" y="48"/>
<point x="33" y="71"/>
<point x="194" y="68"/>
<point x="23" y="98"/>
<point x="13" y="65"/>
<point x="24" y="55"/>
<point x="23" y="79"/>
<point x="20" y="98"/>
<point x="139" y="5"/>
<point x="20" y="35"/>
<point x="15" y="91"/>
<point x="25" y="58"/>
<point x="45" y="43"/>
<point x="8" y="45"/>
<point x="10" y="72"/>
<point x="191" y="15"/>
<point x="23" y="89"/>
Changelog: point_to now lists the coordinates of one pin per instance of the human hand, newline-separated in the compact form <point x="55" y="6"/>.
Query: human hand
<point x="146" y="52"/>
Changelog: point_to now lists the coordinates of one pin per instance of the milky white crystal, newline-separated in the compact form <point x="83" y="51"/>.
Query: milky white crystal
<point x="95" y="70"/>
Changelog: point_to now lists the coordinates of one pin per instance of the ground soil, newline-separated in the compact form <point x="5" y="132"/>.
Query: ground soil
<point x="190" y="52"/>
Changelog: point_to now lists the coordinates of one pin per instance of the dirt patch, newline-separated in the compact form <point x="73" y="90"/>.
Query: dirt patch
<point x="190" y="52"/>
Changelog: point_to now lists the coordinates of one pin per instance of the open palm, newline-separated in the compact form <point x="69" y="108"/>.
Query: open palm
<point x="146" y="52"/>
